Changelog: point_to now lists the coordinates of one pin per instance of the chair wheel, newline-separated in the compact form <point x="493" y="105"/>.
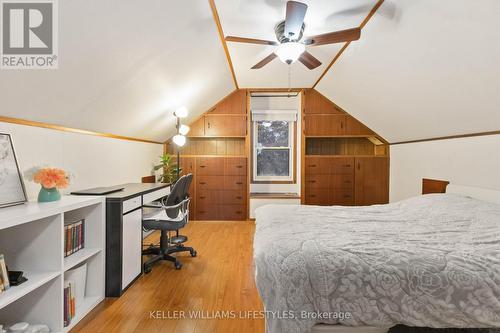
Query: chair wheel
<point x="178" y="265"/>
<point x="147" y="269"/>
<point x="193" y="253"/>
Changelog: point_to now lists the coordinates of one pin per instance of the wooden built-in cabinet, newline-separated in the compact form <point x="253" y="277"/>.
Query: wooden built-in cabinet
<point x="226" y="119"/>
<point x="221" y="188"/>
<point x="346" y="181"/>
<point x="334" y="125"/>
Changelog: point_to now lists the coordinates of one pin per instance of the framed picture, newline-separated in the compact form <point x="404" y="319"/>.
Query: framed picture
<point x="12" y="191"/>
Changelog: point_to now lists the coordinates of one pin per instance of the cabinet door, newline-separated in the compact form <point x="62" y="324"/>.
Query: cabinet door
<point x="225" y="125"/>
<point x="131" y="247"/>
<point x="197" y="128"/>
<point x="324" y="124"/>
<point x="354" y="127"/>
<point x="235" y="103"/>
<point x="371" y="180"/>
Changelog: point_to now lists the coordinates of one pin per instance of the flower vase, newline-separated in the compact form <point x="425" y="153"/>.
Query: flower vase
<point x="49" y="194"/>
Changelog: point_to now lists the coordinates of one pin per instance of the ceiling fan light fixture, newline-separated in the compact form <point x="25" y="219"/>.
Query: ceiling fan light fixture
<point x="289" y="52"/>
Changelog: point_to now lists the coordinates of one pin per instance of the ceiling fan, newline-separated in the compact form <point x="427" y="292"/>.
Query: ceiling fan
<point x="289" y="34"/>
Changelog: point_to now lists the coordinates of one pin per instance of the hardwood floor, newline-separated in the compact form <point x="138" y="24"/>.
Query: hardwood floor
<point x="220" y="278"/>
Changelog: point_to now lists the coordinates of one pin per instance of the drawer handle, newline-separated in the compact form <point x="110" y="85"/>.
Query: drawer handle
<point x="202" y="183"/>
<point x="346" y="165"/>
<point x="239" y="212"/>
<point x="312" y="165"/>
<point x="347" y="196"/>
<point x="201" y="211"/>
<point x="239" y="166"/>
<point x="202" y="166"/>
<point x="239" y="183"/>
<point x="202" y="197"/>
<point x="313" y="196"/>
<point x="238" y="197"/>
<point x="311" y="181"/>
<point x="347" y="181"/>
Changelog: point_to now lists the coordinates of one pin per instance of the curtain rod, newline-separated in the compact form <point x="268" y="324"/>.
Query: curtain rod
<point x="280" y="95"/>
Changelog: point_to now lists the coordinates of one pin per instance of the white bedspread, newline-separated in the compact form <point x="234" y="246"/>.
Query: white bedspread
<point x="429" y="261"/>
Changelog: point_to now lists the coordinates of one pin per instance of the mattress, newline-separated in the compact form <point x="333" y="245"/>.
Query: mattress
<point x="429" y="261"/>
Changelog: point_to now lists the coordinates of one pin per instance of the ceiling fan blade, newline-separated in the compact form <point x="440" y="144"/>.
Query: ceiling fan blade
<point x="265" y="61"/>
<point x="249" y="40"/>
<point x="309" y="60"/>
<point x="334" y="37"/>
<point x="295" y="13"/>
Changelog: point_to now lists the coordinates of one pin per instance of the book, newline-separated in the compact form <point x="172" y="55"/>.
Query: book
<point x="74" y="236"/>
<point x="3" y="273"/>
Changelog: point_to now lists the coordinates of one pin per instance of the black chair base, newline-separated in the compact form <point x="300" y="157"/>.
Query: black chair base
<point x="163" y="253"/>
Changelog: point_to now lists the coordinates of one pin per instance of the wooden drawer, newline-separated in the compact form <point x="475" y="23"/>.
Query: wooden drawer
<point x="320" y="197"/>
<point x="317" y="166"/>
<point x="206" y="214"/>
<point x="343" y="197"/>
<point x="131" y="204"/>
<point x="235" y="166"/>
<point x="235" y="183"/>
<point x="345" y="181"/>
<point x="342" y="165"/>
<point x="234" y="197"/>
<point x="210" y="166"/>
<point x="210" y="182"/>
<point x="318" y="182"/>
<point x="232" y="212"/>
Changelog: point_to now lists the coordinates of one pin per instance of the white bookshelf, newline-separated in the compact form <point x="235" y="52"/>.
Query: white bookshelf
<point x="32" y="241"/>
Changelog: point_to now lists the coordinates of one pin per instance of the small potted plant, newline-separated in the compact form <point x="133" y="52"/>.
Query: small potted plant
<point x="51" y="181"/>
<point x="169" y="167"/>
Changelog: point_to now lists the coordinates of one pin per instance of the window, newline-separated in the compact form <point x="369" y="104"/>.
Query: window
<point x="273" y="144"/>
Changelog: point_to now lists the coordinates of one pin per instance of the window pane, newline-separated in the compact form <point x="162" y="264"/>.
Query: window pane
<point x="273" y="162"/>
<point x="272" y="133"/>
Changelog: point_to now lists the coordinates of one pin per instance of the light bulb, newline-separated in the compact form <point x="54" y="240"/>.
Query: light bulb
<point x="181" y="112"/>
<point x="184" y="129"/>
<point x="179" y="140"/>
<point x="290" y="52"/>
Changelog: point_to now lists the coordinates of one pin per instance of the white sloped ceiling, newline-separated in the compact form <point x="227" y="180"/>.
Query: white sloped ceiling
<point x="124" y="66"/>
<point x="429" y="69"/>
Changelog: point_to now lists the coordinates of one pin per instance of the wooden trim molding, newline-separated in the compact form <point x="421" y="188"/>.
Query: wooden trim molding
<point x="25" y="122"/>
<point x="459" y="136"/>
<point x="223" y="41"/>
<point x="361" y="26"/>
<point x="434" y="186"/>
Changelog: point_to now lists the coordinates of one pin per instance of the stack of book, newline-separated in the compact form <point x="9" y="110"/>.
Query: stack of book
<point x="4" y="276"/>
<point x="74" y="236"/>
<point x="69" y="302"/>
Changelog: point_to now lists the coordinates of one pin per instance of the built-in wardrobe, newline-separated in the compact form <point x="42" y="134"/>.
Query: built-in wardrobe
<point x="343" y="161"/>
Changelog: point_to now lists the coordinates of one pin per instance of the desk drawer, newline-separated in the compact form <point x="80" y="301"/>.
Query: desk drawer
<point x="345" y="181"/>
<point x="131" y="204"/>
<point x="342" y="165"/>
<point x="155" y="195"/>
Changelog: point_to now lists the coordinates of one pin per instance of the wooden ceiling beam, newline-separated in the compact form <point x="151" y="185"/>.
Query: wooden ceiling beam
<point x="223" y="41"/>
<point x="337" y="56"/>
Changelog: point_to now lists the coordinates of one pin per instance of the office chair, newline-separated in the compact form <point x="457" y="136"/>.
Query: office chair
<point x="175" y="217"/>
<point x="178" y="240"/>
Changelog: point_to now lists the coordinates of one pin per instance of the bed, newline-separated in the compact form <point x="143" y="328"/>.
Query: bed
<point x="428" y="261"/>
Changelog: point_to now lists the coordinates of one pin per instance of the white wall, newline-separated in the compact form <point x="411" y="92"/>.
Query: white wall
<point x="95" y="161"/>
<point x="471" y="161"/>
<point x="280" y="103"/>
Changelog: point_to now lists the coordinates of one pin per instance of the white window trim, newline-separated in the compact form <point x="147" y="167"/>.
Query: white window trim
<point x="291" y="147"/>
